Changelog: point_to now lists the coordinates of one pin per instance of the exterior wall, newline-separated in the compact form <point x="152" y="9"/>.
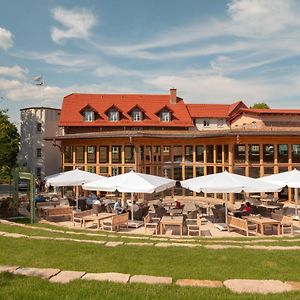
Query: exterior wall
<point x="31" y="139"/>
<point x="183" y="161"/>
<point x="267" y="122"/>
<point x="213" y="124"/>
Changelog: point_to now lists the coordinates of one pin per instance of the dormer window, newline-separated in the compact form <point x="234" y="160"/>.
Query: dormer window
<point x="113" y="115"/>
<point x="137" y="115"/>
<point x="89" y="116"/>
<point x="206" y="123"/>
<point x="165" y="116"/>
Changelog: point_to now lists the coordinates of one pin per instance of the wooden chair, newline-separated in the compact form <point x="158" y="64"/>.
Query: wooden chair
<point x="287" y="222"/>
<point x="78" y="215"/>
<point x="152" y="223"/>
<point x="115" y="222"/>
<point x="194" y="225"/>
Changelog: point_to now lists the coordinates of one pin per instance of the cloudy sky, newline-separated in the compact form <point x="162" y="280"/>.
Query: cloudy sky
<point x="212" y="51"/>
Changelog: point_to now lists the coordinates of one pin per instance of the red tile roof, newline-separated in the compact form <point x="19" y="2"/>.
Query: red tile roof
<point x="151" y="104"/>
<point x="214" y="110"/>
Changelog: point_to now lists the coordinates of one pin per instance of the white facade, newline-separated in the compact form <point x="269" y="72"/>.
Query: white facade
<point x="210" y="123"/>
<point x="36" y="154"/>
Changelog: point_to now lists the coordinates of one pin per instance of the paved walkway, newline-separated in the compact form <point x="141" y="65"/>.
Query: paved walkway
<point x="235" y="285"/>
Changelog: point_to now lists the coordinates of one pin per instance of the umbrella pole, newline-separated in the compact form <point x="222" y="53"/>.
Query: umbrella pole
<point x="226" y="208"/>
<point x="132" y="207"/>
<point x="77" y="196"/>
<point x="296" y="201"/>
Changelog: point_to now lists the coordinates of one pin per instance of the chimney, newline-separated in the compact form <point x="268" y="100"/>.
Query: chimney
<point x="173" y="96"/>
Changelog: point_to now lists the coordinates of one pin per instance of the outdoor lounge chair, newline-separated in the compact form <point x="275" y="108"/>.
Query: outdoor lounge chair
<point x="159" y="211"/>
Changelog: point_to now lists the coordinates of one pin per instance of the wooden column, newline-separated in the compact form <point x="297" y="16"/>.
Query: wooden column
<point x="230" y="168"/>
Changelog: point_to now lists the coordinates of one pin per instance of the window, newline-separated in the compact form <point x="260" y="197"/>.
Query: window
<point x="91" y="154"/>
<point x="209" y="153"/>
<point x="268" y="153"/>
<point x="116" y="154"/>
<point x="167" y="158"/>
<point x="103" y="151"/>
<point x="199" y="153"/>
<point x="253" y="153"/>
<point x="240" y="153"/>
<point x="39" y="152"/>
<point x="113" y="115"/>
<point x="79" y="152"/>
<point x="89" y="116"/>
<point x="295" y="153"/>
<point x="188" y="154"/>
<point x="283" y="152"/>
<point x="68" y="154"/>
<point x="205" y="123"/>
<point x="220" y="123"/>
<point x="38" y="127"/>
<point x="129" y="154"/>
<point x="137" y="115"/>
<point x="219" y="153"/>
<point x="38" y="172"/>
<point x="165" y="116"/>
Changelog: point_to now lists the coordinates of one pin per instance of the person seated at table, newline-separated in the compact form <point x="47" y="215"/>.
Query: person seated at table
<point x="177" y="204"/>
<point x="160" y="202"/>
<point x="117" y="207"/>
<point x="106" y="201"/>
<point x="244" y="210"/>
<point x="39" y="198"/>
<point x="124" y="205"/>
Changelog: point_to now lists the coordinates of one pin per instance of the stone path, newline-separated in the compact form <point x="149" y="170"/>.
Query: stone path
<point x="235" y="285"/>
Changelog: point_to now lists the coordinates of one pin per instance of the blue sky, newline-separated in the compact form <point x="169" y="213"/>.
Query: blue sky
<point x="211" y="51"/>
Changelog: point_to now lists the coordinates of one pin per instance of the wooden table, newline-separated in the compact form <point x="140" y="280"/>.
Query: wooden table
<point x="269" y="207"/>
<point x="174" y="221"/>
<point x="96" y="218"/>
<point x="175" y="211"/>
<point x="266" y="201"/>
<point x="262" y="222"/>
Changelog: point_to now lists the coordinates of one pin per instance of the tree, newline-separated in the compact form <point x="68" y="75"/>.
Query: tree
<point x="9" y="145"/>
<point x="260" y="105"/>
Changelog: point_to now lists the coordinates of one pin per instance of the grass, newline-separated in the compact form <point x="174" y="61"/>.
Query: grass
<point x="20" y="287"/>
<point x="176" y="262"/>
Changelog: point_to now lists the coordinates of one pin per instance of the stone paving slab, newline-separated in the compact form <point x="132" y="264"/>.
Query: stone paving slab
<point x="184" y="245"/>
<point x="66" y="276"/>
<point x="163" y="245"/>
<point x="150" y="279"/>
<point x="216" y="247"/>
<point x="257" y="286"/>
<point x="10" y="269"/>
<point x="15" y="235"/>
<point x="113" y="244"/>
<point x="199" y="283"/>
<point x="114" y="277"/>
<point x="43" y="273"/>
<point x="138" y="244"/>
<point x="294" y="284"/>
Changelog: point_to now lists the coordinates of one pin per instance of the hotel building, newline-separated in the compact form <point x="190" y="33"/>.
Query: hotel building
<point x="162" y="135"/>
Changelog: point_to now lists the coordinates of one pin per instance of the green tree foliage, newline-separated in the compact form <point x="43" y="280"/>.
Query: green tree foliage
<point x="9" y="144"/>
<point x="260" y="105"/>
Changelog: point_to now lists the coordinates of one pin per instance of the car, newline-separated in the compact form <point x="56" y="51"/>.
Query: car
<point x="23" y="184"/>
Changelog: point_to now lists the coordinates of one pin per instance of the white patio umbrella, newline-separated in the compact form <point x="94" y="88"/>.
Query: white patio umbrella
<point x="290" y="179"/>
<point x="72" y="178"/>
<point x="228" y="183"/>
<point x="132" y="182"/>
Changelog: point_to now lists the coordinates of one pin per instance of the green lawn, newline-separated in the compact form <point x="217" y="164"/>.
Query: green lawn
<point x="176" y="262"/>
<point x="21" y="287"/>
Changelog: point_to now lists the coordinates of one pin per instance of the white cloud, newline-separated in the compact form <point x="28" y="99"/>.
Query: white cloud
<point x="262" y="17"/>
<point x="6" y="39"/>
<point x="15" y="71"/>
<point x="77" y="23"/>
<point x="107" y="70"/>
<point x="221" y="89"/>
